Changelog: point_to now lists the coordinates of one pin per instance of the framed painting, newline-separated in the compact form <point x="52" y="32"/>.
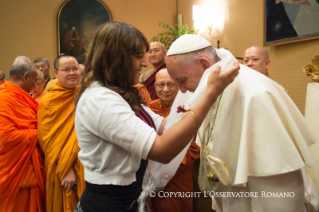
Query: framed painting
<point x="287" y="21"/>
<point x="77" y="22"/>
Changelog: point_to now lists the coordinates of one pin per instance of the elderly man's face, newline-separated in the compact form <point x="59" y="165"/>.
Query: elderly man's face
<point x="186" y="76"/>
<point x="255" y="59"/>
<point x="166" y="88"/>
<point x="39" y="85"/>
<point x="42" y="66"/>
<point x="30" y="80"/>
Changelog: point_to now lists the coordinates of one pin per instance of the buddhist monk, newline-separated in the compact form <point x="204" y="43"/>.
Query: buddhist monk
<point x="156" y="56"/>
<point x="166" y="90"/>
<point x="21" y="159"/>
<point x="38" y="92"/>
<point x="143" y="91"/>
<point x="2" y="77"/>
<point x="65" y="181"/>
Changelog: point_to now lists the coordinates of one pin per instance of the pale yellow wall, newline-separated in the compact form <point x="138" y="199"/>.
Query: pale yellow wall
<point x="29" y="27"/>
<point x="244" y="27"/>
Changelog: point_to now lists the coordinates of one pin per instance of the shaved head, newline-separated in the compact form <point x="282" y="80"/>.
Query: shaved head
<point x="39" y="85"/>
<point x="156" y="54"/>
<point x="20" y="68"/>
<point x="24" y="75"/>
<point x="2" y="77"/>
<point x="40" y="75"/>
<point x="257" y="58"/>
<point x="21" y="59"/>
<point x="166" y="88"/>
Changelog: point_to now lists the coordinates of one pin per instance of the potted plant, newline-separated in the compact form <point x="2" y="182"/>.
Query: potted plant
<point x="171" y="33"/>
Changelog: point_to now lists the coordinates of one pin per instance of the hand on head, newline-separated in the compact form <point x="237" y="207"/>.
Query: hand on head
<point x="217" y="81"/>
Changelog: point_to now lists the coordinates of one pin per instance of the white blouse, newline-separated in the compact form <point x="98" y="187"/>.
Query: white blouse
<point x="111" y="137"/>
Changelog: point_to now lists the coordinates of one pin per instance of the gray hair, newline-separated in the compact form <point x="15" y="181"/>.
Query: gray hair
<point x="19" y="69"/>
<point x="39" y="59"/>
<point x="23" y="58"/>
<point x="190" y="58"/>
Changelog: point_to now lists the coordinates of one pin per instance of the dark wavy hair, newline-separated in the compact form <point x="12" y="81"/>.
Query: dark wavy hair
<point x="109" y="61"/>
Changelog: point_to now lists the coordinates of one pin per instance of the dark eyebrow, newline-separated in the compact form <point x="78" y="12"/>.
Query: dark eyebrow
<point x="180" y="79"/>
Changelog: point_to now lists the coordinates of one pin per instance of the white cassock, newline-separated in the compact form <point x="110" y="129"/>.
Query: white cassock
<point x="260" y="135"/>
<point x="263" y="139"/>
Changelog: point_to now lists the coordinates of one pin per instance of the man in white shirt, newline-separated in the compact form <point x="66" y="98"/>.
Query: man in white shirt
<point x="254" y="128"/>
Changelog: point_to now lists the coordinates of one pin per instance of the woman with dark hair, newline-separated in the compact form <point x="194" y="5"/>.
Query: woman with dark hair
<point x="116" y="132"/>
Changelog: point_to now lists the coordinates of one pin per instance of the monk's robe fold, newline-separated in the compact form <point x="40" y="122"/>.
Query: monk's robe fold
<point x="143" y="92"/>
<point x="182" y="180"/>
<point x="149" y="83"/>
<point x="22" y="175"/>
<point x="57" y="138"/>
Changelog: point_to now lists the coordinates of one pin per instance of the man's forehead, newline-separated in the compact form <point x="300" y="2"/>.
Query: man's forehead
<point x="156" y="45"/>
<point x="68" y="61"/>
<point x="40" y="63"/>
<point x="253" y="52"/>
<point x="163" y="75"/>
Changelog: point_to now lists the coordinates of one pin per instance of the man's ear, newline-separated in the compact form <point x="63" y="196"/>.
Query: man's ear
<point x="268" y="62"/>
<point x="25" y="77"/>
<point x="205" y="63"/>
<point x="55" y="73"/>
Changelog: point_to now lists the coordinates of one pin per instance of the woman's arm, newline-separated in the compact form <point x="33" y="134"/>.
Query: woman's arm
<point x="169" y="144"/>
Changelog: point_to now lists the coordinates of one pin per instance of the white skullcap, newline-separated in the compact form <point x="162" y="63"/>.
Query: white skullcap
<point x="187" y="43"/>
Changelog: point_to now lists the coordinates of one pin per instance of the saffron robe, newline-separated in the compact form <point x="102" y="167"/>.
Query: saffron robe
<point x="182" y="180"/>
<point x="143" y="91"/>
<point x="149" y="83"/>
<point x="57" y="138"/>
<point x="50" y="85"/>
<point x="21" y="160"/>
<point x="38" y="99"/>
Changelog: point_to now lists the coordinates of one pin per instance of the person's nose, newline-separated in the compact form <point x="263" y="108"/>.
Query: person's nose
<point x="249" y="63"/>
<point x="165" y="89"/>
<point x="183" y="89"/>
<point x="144" y="62"/>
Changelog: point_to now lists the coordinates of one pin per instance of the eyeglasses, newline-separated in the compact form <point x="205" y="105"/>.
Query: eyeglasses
<point x="39" y="83"/>
<point x="162" y="85"/>
<point x="41" y="66"/>
<point x="75" y="69"/>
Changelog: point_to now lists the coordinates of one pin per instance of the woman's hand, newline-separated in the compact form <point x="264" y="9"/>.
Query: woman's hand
<point x="69" y="181"/>
<point x="217" y="81"/>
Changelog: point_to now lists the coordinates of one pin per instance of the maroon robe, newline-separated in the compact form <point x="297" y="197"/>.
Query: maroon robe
<point x="149" y="83"/>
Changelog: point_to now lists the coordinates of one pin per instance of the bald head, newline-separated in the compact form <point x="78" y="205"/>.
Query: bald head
<point x="39" y="85"/>
<point x="24" y="75"/>
<point x="166" y="88"/>
<point x="40" y="75"/>
<point x="21" y="59"/>
<point x="2" y="77"/>
<point x="156" y="54"/>
<point x="257" y="58"/>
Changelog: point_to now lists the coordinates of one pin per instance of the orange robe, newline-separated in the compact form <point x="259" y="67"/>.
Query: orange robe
<point x="21" y="160"/>
<point x="182" y="180"/>
<point x="57" y="138"/>
<point x="50" y="85"/>
<point x="143" y="91"/>
<point x="38" y="99"/>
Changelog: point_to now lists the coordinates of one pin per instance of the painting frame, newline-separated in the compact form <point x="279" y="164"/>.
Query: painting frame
<point x="104" y="16"/>
<point x="278" y="26"/>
